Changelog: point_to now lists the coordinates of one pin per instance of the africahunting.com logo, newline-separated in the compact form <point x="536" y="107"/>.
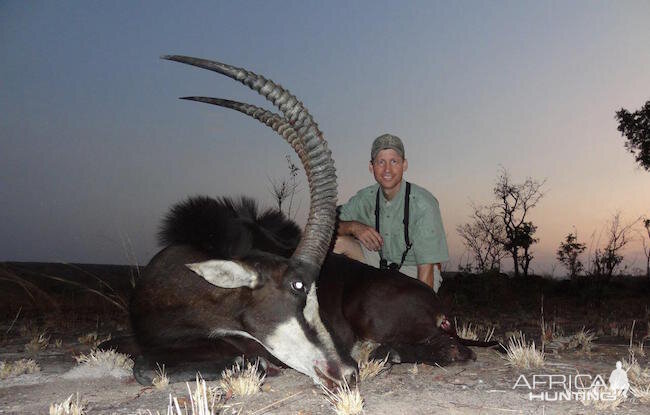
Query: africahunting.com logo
<point x="579" y="387"/>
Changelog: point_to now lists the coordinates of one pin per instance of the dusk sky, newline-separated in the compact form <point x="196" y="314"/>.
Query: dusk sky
<point x="95" y="146"/>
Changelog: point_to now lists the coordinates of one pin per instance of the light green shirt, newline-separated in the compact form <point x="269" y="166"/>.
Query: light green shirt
<point x="425" y="223"/>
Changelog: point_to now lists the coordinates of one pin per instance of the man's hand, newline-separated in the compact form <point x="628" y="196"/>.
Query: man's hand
<point x="369" y="237"/>
<point x="366" y="235"/>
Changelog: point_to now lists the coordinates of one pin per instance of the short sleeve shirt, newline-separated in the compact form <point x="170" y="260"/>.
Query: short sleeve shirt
<point x="425" y="223"/>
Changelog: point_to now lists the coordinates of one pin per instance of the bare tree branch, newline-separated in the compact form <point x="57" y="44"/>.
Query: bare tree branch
<point x="514" y="202"/>
<point x="608" y="258"/>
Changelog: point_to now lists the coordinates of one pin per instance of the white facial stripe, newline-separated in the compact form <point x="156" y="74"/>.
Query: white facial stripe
<point x="289" y="344"/>
<point x="312" y="316"/>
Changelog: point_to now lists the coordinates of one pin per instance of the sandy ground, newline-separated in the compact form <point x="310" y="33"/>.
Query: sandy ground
<point x="481" y="387"/>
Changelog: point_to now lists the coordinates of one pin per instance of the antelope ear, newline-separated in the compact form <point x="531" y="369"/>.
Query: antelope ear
<point x="226" y="274"/>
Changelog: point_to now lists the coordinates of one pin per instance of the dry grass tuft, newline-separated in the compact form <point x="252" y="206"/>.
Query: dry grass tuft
<point x="602" y="399"/>
<point x="632" y="367"/>
<point x="37" y="343"/>
<point x="242" y="382"/>
<point x="92" y="339"/>
<point x="108" y="358"/>
<point x="467" y="332"/>
<point x="344" y="401"/>
<point x="368" y="369"/>
<point x="489" y="334"/>
<point x="551" y="331"/>
<point x="637" y="377"/>
<point x="521" y="355"/>
<point x="641" y="393"/>
<point x="644" y="377"/>
<point x="582" y="340"/>
<point x="58" y="343"/>
<point x="160" y="380"/>
<point x="19" y="367"/>
<point x="471" y="331"/>
<point x="203" y="400"/>
<point x="639" y="349"/>
<point x="67" y="407"/>
<point x="204" y="393"/>
<point x="101" y="363"/>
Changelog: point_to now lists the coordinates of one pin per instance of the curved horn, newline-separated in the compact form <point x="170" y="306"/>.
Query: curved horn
<point x="318" y="164"/>
<point x="276" y="122"/>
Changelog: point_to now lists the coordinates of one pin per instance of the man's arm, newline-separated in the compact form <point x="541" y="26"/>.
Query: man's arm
<point x="426" y="275"/>
<point x="429" y="241"/>
<point x="367" y="235"/>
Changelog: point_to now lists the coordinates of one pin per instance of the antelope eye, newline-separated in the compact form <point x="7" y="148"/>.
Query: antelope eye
<point x="298" y="286"/>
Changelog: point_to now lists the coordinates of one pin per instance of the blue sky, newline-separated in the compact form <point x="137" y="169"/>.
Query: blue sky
<point x="95" y="146"/>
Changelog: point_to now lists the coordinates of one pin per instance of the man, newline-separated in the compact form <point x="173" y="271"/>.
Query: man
<point x="384" y="244"/>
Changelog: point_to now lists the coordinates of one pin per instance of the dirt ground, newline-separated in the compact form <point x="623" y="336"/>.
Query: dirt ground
<point x="481" y="387"/>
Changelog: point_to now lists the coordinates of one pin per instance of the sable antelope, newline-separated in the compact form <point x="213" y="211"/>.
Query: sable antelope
<point x="233" y="281"/>
<point x="202" y="295"/>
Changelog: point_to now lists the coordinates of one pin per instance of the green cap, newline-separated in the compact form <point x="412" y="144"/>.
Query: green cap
<point x="386" y="141"/>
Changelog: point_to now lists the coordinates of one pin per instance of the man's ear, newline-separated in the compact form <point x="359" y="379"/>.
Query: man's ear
<point x="226" y="274"/>
<point x="406" y="164"/>
<point x="370" y="168"/>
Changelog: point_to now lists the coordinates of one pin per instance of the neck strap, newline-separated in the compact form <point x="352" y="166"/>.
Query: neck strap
<point x="405" y="221"/>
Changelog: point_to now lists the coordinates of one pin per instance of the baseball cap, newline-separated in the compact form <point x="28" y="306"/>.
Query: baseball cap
<point x="386" y="141"/>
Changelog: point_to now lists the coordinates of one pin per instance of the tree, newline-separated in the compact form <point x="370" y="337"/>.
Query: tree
<point x="646" y="246"/>
<point x="514" y="202"/>
<point x="635" y="127"/>
<point x="481" y="238"/>
<point x="607" y="259"/>
<point x="524" y="239"/>
<point x="568" y="254"/>
<point x="286" y="189"/>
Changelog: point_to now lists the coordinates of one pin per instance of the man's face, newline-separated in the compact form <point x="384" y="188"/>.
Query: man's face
<point x="388" y="168"/>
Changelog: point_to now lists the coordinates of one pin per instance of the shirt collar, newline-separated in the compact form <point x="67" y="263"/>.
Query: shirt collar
<point x="398" y="197"/>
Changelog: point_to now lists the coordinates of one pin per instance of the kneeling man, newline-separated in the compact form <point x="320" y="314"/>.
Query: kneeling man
<point x="394" y="224"/>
